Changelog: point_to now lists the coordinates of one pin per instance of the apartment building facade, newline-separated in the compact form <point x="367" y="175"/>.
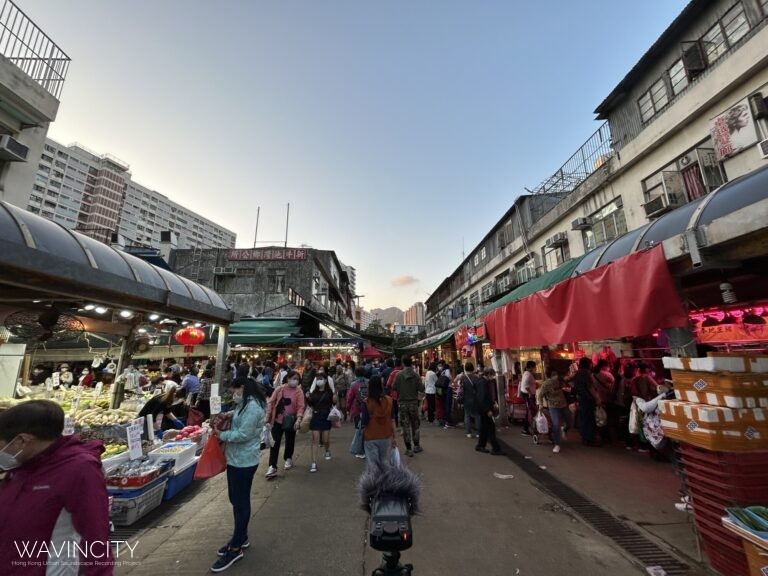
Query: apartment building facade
<point x="95" y="194"/>
<point x="32" y="73"/>
<point x="689" y="116"/>
<point x="414" y="316"/>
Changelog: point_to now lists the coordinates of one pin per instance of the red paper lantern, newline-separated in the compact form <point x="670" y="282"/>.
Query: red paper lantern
<point x="189" y="337"/>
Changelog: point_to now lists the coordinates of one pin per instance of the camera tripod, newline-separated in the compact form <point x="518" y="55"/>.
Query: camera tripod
<point x="390" y="566"/>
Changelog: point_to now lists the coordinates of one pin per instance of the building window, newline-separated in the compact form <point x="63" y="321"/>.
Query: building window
<point x="764" y="4"/>
<point x="653" y="100"/>
<point x="502" y="283"/>
<point x="482" y="253"/>
<point x="477" y="259"/>
<point x="474" y="301"/>
<point x="607" y="223"/>
<point x="487" y="293"/>
<point x="276" y="282"/>
<point x="735" y="24"/>
<point x="525" y="270"/>
<point x="677" y="77"/>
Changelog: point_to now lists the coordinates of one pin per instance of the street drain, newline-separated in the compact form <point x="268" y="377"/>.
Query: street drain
<point x="627" y="537"/>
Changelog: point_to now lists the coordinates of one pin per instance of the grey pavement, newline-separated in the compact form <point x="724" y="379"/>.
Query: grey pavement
<point x="311" y="524"/>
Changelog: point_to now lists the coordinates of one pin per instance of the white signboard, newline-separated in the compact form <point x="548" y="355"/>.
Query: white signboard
<point x="214" y="389"/>
<point x="98" y="388"/>
<point x="733" y="130"/>
<point x="75" y="403"/>
<point x="69" y="426"/>
<point x="56" y="379"/>
<point x="134" y="439"/>
<point x="215" y="404"/>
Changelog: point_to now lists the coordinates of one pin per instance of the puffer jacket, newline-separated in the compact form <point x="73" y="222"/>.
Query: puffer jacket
<point x="243" y="439"/>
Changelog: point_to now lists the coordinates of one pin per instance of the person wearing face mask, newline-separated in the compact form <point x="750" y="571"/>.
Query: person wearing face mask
<point x="243" y="449"/>
<point x="284" y="413"/>
<point x="42" y="495"/>
<point x="322" y="374"/>
<point x="321" y="399"/>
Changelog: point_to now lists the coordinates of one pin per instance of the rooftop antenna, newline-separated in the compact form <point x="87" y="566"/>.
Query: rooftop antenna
<point x="256" y="234"/>
<point x="287" y="218"/>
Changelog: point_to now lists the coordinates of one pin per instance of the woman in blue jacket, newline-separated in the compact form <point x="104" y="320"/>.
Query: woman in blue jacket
<point x="243" y="449"/>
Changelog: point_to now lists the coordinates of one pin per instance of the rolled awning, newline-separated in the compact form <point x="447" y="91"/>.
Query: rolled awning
<point x="634" y="295"/>
<point x="263" y="330"/>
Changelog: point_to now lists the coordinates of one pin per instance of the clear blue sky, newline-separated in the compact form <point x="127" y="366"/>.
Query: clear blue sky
<point x="394" y="128"/>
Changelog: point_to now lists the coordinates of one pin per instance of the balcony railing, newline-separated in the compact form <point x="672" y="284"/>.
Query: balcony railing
<point x="29" y="48"/>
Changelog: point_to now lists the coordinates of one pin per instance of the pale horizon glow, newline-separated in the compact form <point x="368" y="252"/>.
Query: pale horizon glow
<point x="397" y="131"/>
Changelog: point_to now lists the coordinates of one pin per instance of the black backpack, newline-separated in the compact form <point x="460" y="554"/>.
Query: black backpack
<point x="362" y="395"/>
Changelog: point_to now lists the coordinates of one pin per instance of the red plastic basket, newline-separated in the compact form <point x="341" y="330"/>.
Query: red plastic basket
<point x="133" y="481"/>
<point x="735" y="462"/>
<point x="726" y="563"/>
<point x="730" y="491"/>
<point x="726" y="477"/>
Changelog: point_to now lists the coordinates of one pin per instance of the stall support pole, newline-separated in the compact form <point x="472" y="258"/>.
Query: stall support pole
<point x="682" y="341"/>
<point x="119" y="386"/>
<point x="221" y="355"/>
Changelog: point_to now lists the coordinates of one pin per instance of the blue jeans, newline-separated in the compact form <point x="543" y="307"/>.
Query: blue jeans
<point x="376" y="452"/>
<point x="560" y="417"/>
<point x="470" y="419"/>
<point x="239" y="482"/>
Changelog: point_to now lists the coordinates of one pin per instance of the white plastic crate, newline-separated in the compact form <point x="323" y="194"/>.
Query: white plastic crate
<point x="180" y="458"/>
<point x="125" y="511"/>
<point x="718" y="363"/>
<point x="109" y="464"/>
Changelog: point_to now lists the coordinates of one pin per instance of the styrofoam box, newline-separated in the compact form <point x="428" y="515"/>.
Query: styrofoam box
<point x="181" y="458"/>
<point x="718" y="363"/>
<point x="109" y="464"/>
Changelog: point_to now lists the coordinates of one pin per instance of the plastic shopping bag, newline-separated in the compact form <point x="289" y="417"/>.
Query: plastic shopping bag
<point x="267" y="441"/>
<point x="335" y="415"/>
<point x="394" y="458"/>
<point x="601" y="417"/>
<point x="212" y="460"/>
<point x="542" y="425"/>
<point x="304" y="428"/>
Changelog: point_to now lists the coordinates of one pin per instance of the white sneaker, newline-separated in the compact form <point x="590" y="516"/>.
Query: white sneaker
<point x="477" y="435"/>
<point x="313" y="468"/>
<point x="556" y="449"/>
<point x="288" y="463"/>
<point x="684" y="507"/>
<point x="271" y="472"/>
<point x="361" y="456"/>
<point x="469" y="435"/>
<point x="328" y="455"/>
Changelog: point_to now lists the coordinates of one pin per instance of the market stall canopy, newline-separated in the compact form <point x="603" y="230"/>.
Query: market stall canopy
<point x="634" y="295"/>
<point x="40" y="259"/>
<point x="371" y="352"/>
<point x="428" y="343"/>
<point x="384" y="342"/>
<point x="264" y="331"/>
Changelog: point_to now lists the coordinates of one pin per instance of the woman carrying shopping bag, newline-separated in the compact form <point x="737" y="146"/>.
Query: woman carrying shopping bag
<point x="242" y="447"/>
<point x="284" y="413"/>
<point x="321" y="399"/>
<point x="378" y="421"/>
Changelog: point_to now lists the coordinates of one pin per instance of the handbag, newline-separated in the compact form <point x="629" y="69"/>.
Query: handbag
<point x="394" y="458"/>
<point x="601" y="417"/>
<point x="289" y="421"/>
<point x="195" y="417"/>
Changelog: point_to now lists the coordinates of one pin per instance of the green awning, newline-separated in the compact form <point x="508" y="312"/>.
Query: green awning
<point x="263" y="330"/>
<point x="546" y="280"/>
<point x="430" y="342"/>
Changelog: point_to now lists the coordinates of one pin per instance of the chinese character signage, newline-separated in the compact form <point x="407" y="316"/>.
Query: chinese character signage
<point x="733" y="130"/>
<point x="268" y="254"/>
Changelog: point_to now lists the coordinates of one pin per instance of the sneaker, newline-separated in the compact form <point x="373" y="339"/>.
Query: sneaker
<point x="226" y="560"/>
<point x="288" y="463"/>
<point x="327" y="454"/>
<point x="683" y="507"/>
<point x="526" y="433"/>
<point x="223" y="550"/>
<point x="643" y="450"/>
<point x="409" y="452"/>
<point x="361" y="456"/>
<point x="481" y="449"/>
<point x="313" y="468"/>
<point x="469" y="435"/>
<point x="271" y="472"/>
<point x="556" y="449"/>
<point x="418" y="449"/>
<point x="477" y="435"/>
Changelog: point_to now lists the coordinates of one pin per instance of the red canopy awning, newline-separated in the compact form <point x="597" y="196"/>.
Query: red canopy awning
<point x="632" y="296"/>
<point x="371" y="352"/>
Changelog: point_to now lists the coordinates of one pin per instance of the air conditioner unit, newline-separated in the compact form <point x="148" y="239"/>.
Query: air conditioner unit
<point x="12" y="150"/>
<point x="694" y="60"/>
<point x="228" y="271"/>
<point x="580" y="224"/>
<point x="557" y="240"/>
<point x="661" y="204"/>
<point x="763" y="148"/>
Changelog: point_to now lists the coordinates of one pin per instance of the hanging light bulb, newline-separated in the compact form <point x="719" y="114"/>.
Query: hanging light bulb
<point x="729" y="296"/>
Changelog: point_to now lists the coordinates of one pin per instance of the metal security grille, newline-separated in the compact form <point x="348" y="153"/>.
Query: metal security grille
<point x="628" y="538"/>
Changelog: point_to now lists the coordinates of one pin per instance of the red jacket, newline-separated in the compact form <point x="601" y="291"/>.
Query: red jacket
<point x="62" y="487"/>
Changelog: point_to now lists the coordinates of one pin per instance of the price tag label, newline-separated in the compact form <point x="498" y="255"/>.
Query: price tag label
<point x="98" y="389"/>
<point x="49" y="384"/>
<point x="78" y="390"/>
<point x="69" y="426"/>
<point x="58" y="396"/>
<point x="75" y="403"/>
<point x="56" y="379"/>
<point x="134" y="439"/>
<point x="214" y="389"/>
<point x="215" y="404"/>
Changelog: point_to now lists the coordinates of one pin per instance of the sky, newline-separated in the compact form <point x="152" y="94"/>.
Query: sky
<point x="399" y="131"/>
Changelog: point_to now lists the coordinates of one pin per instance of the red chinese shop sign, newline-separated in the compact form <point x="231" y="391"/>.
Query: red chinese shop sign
<point x="268" y="254"/>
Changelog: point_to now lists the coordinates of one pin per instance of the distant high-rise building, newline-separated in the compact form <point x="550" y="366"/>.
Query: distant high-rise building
<point x="363" y="318"/>
<point x="414" y="316"/>
<point x="95" y="194"/>
<point x="352" y="273"/>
